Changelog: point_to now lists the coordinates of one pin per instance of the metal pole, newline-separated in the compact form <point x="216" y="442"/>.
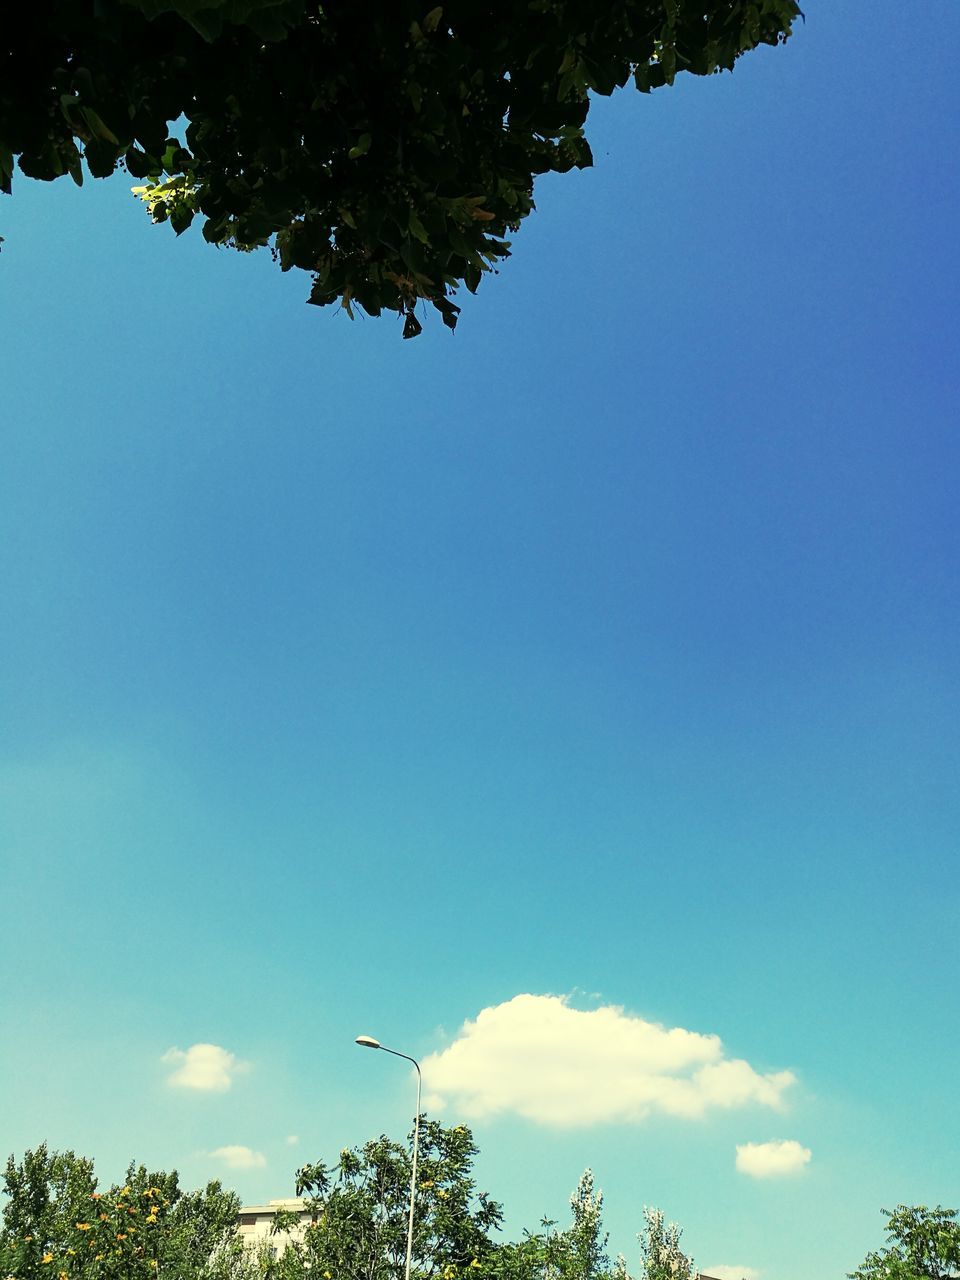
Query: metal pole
<point x="413" y="1173"/>
<point x="374" y="1044"/>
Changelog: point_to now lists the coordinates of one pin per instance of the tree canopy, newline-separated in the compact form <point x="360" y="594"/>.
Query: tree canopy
<point x="359" y="1211"/>
<point x="388" y="147"/>
<point x="661" y="1255"/>
<point x="922" y="1244"/>
<point x="58" y="1225"/>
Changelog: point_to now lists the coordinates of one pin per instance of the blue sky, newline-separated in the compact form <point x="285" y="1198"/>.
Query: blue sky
<point x="606" y="649"/>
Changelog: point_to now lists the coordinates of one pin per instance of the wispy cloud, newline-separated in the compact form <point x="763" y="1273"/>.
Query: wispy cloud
<point x="772" y="1159"/>
<point x="206" y="1067"/>
<point x="727" y="1271"/>
<point x="237" y="1157"/>
<point x="292" y="1140"/>
<point x="537" y="1057"/>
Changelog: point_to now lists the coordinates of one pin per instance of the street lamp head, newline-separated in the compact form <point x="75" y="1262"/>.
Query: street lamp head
<point x="368" y="1042"/>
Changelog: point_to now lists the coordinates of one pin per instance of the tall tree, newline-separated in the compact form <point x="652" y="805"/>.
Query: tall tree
<point x="922" y="1244"/>
<point x="359" y="1211"/>
<point x="387" y="147"/>
<point x="661" y="1256"/>
<point x="576" y="1252"/>
<point x="58" y="1225"/>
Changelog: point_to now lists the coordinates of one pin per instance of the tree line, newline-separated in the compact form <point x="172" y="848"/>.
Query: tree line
<point x="59" y="1224"/>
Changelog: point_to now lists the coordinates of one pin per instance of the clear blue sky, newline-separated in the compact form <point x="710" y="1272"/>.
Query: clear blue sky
<point x="606" y="649"/>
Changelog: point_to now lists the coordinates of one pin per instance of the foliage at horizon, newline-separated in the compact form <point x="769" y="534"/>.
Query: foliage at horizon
<point x="359" y="1210"/>
<point x="660" y="1252"/>
<point x="922" y="1244"/>
<point x="388" y="148"/>
<point x="58" y="1225"/>
<point x="359" y="1221"/>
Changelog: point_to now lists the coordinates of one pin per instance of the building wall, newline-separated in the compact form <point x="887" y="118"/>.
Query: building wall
<point x="255" y="1226"/>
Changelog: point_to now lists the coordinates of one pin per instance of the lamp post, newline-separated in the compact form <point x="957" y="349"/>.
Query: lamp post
<point x="368" y="1042"/>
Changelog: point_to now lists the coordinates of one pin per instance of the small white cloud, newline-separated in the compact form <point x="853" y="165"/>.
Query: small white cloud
<point x="725" y="1271"/>
<point x="292" y="1140"/>
<point x="236" y="1157"/>
<point x="772" y="1159"/>
<point x="536" y="1057"/>
<point x="205" y="1067"/>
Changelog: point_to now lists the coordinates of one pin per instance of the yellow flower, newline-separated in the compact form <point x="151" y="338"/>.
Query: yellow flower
<point x="153" y="1263"/>
<point x="61" y="1275"/>
<point x="475" y="1264"/>
<point x="71" y="1252"/>
<point x="82" y="1226"/>
<point x="327" y="1275"/>
<point x="121" y="1235"/>
<point x="47" y="1257"/>
<point x="443" y="1194"/>
<point x="103" y="1217"/>
<point x="99" y="1257"/>
<point x="426" y="1184"/>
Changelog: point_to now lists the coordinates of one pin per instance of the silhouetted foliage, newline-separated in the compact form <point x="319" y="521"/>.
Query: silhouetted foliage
<point x="387" y="147"/>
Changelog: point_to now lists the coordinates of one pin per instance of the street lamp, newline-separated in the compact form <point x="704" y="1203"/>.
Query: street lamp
<point x="368" y="1042"/>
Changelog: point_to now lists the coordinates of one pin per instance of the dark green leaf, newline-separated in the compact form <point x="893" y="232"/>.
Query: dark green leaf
<point x="361" y="148"/>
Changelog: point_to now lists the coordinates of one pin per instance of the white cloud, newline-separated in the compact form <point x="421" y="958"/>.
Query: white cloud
<point x="728" y="1272"/>
<point x="772" y="1159"/>
<point x="235" y="1157"/>
<point x="536" y="1057"/>
<point x="292" y="1140"/>
<point x="203" y="1066"/>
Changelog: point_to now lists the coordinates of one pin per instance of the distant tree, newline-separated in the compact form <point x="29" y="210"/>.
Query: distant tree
<point x="582" y="1247"/>
<point x="661" y="1255"/>
<point x="922" y="1244"/>
<point x="48" y="1193"/>
<point x="359" y="1212"/>
<point x="57" y="1225"/>
<point x="388" y="147"/>
<point x="577" y="1252"/>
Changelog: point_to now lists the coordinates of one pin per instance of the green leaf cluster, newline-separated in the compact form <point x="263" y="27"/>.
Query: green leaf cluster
<point x="359" y="1211"/>
<point x="661" y="1256"/>
<point x="922" y="1244"/>
<point x="577" y="1252"/>
<point x="58" y="1224"/>
<point x="385" y="147"/>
